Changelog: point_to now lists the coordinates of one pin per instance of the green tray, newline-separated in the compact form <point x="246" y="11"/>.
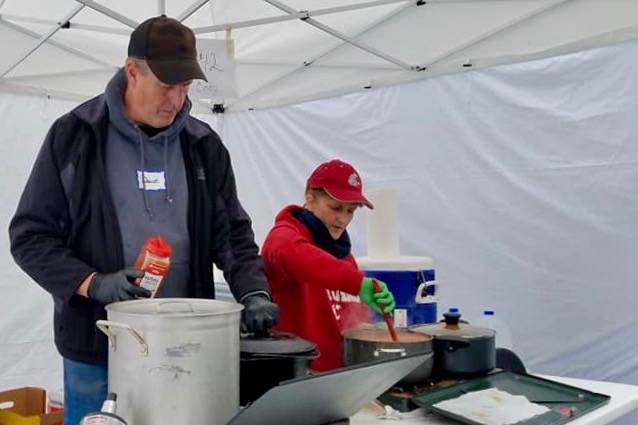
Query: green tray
<point x="556" y="396"/>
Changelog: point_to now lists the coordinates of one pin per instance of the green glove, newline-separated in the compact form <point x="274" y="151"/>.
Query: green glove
<point x="382" y="301"/>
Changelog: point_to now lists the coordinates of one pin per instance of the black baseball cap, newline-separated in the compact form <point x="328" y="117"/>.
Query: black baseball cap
<point x="168" y="47"/>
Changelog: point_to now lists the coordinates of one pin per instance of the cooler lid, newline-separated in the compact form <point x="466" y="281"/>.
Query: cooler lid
<point x="400" y="263"/>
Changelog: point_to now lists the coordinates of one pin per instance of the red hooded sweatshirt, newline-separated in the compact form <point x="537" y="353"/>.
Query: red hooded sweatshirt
<point x="317" y="293"/>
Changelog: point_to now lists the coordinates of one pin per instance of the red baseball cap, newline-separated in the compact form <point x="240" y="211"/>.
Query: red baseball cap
<point x="340" y="180"/>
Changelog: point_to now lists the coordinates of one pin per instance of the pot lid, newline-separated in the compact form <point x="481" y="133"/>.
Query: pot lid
<point x="174" y="307"/>
<point x="274" y="343"/>
<point x="452" y="326"/>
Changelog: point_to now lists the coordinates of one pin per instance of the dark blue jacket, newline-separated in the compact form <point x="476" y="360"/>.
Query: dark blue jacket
<point x="65" y="226"/>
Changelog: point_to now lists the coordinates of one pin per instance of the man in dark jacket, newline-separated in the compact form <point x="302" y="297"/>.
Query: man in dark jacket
<point x="118" y="169"/>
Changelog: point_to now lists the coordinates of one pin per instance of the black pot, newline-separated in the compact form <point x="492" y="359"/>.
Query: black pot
<point x="367" y="344"/>
<point x="460" y="349"/>
<point x="265" y="361"/>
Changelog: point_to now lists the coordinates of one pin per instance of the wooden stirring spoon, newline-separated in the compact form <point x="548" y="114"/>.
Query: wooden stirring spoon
<point x="386" y="316"/>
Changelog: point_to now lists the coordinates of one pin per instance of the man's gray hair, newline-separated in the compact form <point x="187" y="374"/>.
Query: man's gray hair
<point x="140" y="64"/>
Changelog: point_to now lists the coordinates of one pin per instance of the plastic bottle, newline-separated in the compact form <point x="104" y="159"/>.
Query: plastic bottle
<point x="106" y="416"/>
<point x="154" y="261"/>
<point x="503" y="333"/>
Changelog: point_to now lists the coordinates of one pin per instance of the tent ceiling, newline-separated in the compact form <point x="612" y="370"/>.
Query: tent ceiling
<point x="344" y="46"/>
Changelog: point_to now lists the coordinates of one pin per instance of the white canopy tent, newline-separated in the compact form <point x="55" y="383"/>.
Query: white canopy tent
<point x="518" y="177"/>
<point x="295" y="50"/>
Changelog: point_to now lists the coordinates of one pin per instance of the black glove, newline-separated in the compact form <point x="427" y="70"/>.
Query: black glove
<point x="259" y="314"/>
<point x="113" y="287"/>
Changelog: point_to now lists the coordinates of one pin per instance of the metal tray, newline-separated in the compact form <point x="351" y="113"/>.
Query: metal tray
<point x="565" y="402"/>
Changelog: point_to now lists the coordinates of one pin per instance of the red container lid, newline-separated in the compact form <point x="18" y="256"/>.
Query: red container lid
<point x="158" y="246"/>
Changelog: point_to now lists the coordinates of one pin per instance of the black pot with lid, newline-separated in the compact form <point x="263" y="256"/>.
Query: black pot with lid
<point x="460" y="349"/>
<point x="266" y="360"/>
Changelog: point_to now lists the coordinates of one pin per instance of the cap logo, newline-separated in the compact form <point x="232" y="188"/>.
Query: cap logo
<point x="353" y="180"/>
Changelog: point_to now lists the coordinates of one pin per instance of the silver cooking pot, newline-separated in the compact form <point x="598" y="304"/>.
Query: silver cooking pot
<point x="368" y="343"/>
<point x="174" y="360"/>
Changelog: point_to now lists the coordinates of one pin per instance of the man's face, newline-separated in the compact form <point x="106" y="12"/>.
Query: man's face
<point x="153" y="102"/>
<point x="335" y="215"/>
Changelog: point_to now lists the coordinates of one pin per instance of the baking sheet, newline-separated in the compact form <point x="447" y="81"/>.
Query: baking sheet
<point x="564" y="401"/>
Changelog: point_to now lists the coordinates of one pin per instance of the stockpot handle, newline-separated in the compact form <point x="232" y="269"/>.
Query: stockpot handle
<point x="160" y="304"/>
<point x="104" y="326"/>
<point x="400" y="351"/>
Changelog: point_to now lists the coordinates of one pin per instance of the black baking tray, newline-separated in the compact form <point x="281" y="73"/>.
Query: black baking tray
<point x="565" y="402"/>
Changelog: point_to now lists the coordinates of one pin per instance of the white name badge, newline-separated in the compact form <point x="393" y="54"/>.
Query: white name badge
<point x="153" y="180"/>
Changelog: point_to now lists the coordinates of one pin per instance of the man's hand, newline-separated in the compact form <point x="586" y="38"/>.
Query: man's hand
<point x="382" y="302"/>
<point x="112" y="287"/>
<point x="259" y="314"/>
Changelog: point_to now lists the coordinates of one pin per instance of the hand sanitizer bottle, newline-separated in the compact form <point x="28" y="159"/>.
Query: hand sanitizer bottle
<point x="106" y="416"/>
<point x="503" y="333"/>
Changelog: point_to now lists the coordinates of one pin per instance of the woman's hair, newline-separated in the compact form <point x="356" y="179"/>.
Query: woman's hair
<point x="315" y="192"/>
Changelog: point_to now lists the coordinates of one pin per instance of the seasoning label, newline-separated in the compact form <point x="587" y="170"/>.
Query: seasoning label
<point x="153" y="180"/>
<point x="153" y="274"/>
<point x="150" y="281"/>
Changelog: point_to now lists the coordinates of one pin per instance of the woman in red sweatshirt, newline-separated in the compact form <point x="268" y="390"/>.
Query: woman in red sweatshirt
<point x="313" y="276"/>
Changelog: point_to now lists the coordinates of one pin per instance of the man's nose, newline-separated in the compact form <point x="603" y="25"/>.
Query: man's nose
<point x="177" y="94"/>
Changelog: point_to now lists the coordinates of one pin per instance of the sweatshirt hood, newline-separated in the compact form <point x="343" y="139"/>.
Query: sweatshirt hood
<point x="114" y="95"/>
<point x="131" y="132"/>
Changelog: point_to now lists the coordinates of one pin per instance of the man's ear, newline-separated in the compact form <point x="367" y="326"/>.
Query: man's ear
<point x="131" y="71"/>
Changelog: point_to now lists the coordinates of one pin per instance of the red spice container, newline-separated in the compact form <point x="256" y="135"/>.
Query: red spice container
<point x="154" y="260"/>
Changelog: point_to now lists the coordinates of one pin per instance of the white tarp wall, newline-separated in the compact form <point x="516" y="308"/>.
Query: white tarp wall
<point x="520" y="181"/>
<point x="27" y="354"/>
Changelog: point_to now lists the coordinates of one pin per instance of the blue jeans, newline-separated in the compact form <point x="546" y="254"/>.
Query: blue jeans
<point x="85" y="388"/>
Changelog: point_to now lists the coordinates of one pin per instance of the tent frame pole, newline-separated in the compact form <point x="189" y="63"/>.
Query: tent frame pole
<point x="318" y="56"/>
<point x="66" y="21"/>
<point x="57" y="44"/>
<point x="295" y="15"/>
<point x="190" y="10"/>
<point x="161" y="7"/>
<point x="308" y="20"/>
<point x="340" y="64"/>
<point x="26" y="78"/>
<point x="71" y="25"/>
<point x="501" y="28"/>
<point x="43" y="39"/>
<point x="109" y="12"/>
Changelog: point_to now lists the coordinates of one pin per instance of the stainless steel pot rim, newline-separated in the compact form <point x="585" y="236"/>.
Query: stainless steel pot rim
<point x="175" y="307"/>
<point x="310" y="355"/>
<point x="366" y="333"/>
<point x="275" y="343"/>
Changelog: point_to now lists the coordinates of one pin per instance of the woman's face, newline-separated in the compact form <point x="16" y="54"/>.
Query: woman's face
<point x="335" y="215"/>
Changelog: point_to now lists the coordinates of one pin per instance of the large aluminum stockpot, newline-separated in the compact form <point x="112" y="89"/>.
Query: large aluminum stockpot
<point x="174" y="360"/>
